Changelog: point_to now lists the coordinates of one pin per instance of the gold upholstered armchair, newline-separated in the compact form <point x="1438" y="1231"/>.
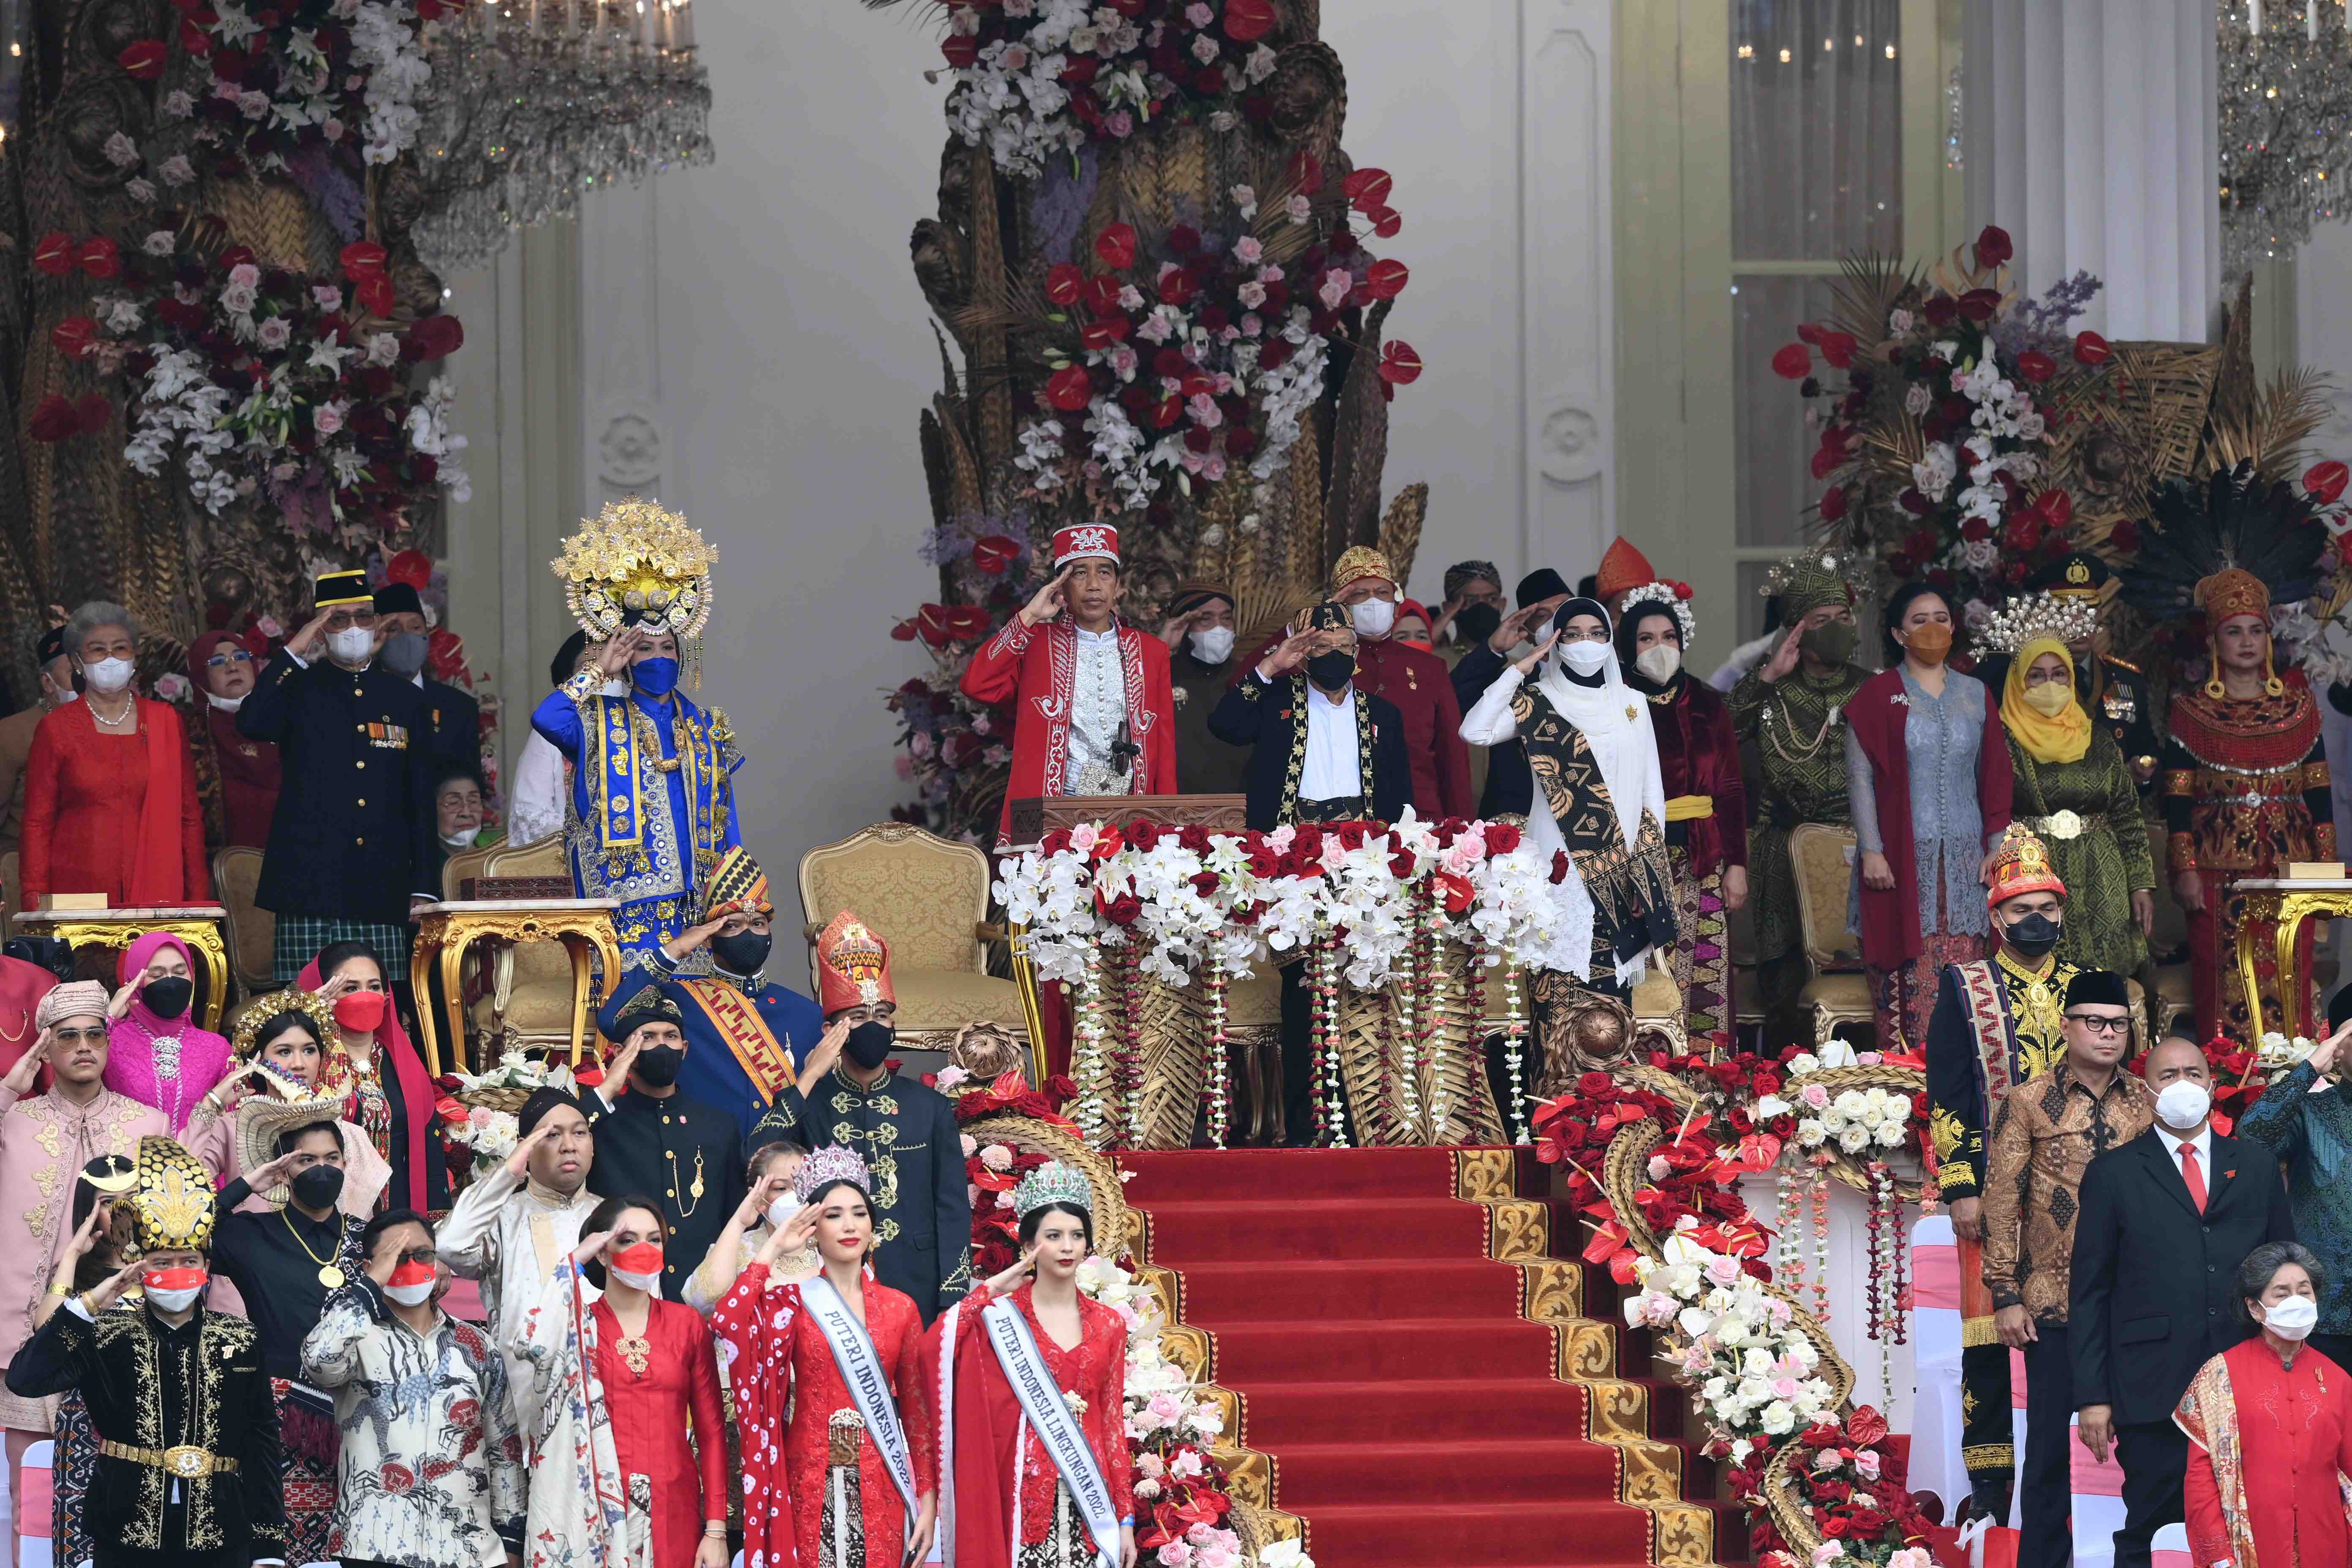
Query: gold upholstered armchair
<point x="526" y="989"/>
<point x="1837" y="990"/>
<point x="928" y="899"/>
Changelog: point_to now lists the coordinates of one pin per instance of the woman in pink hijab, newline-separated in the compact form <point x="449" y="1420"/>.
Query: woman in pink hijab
<point x="157" y="1056"/>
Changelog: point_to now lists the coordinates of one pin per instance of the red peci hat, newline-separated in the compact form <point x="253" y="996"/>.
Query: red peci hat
<point x="1085" y="542"/>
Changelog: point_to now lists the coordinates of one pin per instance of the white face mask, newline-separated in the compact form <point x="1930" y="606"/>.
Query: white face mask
<point x="2182" y="1104"/>
<point x="1373" y="617"/>
<point x="781" y="1212"/>
<point x="649" y="1283"/>
<point x="1659" y="661"/>
<point x="1584" y="658"/>
<point x="409" y="1295"/>
<point x="458" y="840"/>
<point x="2291" y="1318"/>
<point x="1213" y="645"/>
<point x="226" y="704"/>
<point x="108" y="675"/>
<point x="352" y="645"/>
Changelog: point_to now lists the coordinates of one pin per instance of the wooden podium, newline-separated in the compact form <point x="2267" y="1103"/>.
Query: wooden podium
<point x="1034" y="816"/>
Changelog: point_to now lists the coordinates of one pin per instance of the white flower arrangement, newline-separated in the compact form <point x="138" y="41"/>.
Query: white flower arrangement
<point x="2278" y="1053"/>
<point x="1754" y="1372"/>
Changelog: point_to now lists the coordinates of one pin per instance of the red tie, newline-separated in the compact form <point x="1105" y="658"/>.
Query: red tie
<point x="2192" y="1175"/>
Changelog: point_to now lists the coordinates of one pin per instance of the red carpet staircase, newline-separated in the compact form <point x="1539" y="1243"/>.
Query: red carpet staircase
<point x="1411" y="1370"/>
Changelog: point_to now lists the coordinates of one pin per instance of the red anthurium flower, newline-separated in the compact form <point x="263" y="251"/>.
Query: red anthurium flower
<point x="1400" y="365"/>
<point x="1103" y="331"/>
<point x="1384" y="221"/>
<point x="961" y="49"/>
<point x="2091" y="349"/>
<point x="1993" y="246"/>
<point x="194" y="38"/>
<point x="54" y="253"/>
<point x="362" y="258"/>
<point x="2056" y="507"/>
<point x="1179" y="287"/>
<point x="1070" y="389"/>
<point x="964" y="623"/>
<point x="75" y="337"/>
<point x="1064" y="283"/>
<point x="1116" y="247"/>
<point x="931" y="624"/>
<point x="1978" y="304"/>
<point x="1102" y="295"/>
<point x="1306" y="169"/>
<point x="992" y="554"/>
<point x="2323" y="482"/>
<point x="1247" y="21"/>
<point x="1833" y="503"/>
<point x="143" y="60"/>
<point x="2036" y="366"/>
<point x="1838" y="347"/>
<point x="1385" y="280"/>
<point x="433" y="338"/>
<point x="1367" y="189"/>
<point x="98" y="257"/>
<point x="375" y="294"/>
<point x="1866" y="1426"/>
<point x="53" y="419"/>
<point x="1794" y="361"/>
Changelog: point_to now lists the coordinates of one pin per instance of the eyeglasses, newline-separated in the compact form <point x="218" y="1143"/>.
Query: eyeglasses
<point x="342" y="620"/>
<point x="222" y="660"/>
<point x="2100" y="1025"/>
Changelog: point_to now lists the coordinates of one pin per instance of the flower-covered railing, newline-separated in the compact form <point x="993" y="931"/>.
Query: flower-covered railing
<point x="1370" y="904"/>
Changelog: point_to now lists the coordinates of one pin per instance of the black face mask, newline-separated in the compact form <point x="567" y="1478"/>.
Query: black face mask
<point x="2032" y="936"/>
<point x="658" y="1065"/>
<point x="1831" y="642"/>
<point x="318" y="1187"/>
<point x="869" y="1043"/>
<point x="742" y="954"/>
<point x="169" y="997"/>
<point x="1332" y="670"/>
<point x="1477" y="623"/>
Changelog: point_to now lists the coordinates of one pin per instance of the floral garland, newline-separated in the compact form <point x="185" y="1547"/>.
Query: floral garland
<point x="1174" y="364"/>
<point x="330" y="80"/>
<point x="1036" y="79"/>
<point x="1964" y="379"/>
<point x="256" y="381"/>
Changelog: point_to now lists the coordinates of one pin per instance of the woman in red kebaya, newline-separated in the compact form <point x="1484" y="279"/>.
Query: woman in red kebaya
<point x="1033" y="1459"/>
<point x="2270" y="1430"/>
<point x="110" y="788"/>
<point x="850" y="1481"/>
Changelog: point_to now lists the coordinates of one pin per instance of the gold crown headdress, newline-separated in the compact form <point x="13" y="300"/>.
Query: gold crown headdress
<point x="171" y="1207"/>
<point x="334" y="1061"/>
<point x="2070" y="620"/>
<point x="635" y="561"/>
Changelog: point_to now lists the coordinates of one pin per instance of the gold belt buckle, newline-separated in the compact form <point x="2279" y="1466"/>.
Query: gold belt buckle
<point x="187" y="1459"/>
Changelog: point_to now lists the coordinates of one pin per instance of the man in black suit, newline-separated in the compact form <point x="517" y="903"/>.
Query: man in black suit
<point x="1321" y="752"/>
<point x="2166" y="1220"/>
<point x="351" y="845"/>
<point x="1510" y="783"/>
<point x="456" y="717"/>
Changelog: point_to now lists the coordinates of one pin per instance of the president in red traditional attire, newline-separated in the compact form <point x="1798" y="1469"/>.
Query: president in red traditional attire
<point x="1093" y="713"/>
<point x="1416" y="681"/>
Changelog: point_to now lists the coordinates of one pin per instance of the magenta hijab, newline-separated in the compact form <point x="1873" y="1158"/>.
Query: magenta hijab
<point x="131" y="1065"/>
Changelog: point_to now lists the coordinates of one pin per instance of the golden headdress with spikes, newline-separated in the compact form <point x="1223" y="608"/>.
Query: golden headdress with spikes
<point x="635" y="561"/>
<point x="171" y="1207"/>
<point x="2070" y="617"/>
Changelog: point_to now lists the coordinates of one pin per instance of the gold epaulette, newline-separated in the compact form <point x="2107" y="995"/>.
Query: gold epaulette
<point x="2120" y="663"/>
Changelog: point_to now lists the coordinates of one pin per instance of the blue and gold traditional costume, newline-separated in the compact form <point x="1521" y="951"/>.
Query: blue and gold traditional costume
<point x="653" y="807"/>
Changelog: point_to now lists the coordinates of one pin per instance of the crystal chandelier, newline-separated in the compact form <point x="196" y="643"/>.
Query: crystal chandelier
<point x="2285" y="77"/>
<point x="534" y="101"/>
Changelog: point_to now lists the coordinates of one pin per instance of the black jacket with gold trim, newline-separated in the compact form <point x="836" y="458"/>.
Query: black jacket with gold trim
<point x="1987" y="1010"/>
<point x="906" y="1132"/>
<point x="154" y="1387"/>
<point x="1271" y="718"/>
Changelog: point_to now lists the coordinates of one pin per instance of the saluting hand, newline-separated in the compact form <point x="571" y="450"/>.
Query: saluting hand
<point x="1047" y="602"/>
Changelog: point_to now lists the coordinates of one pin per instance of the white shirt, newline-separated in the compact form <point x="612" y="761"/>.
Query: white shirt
<point x="2204" y="1144"/>
<point x="508" y="1235"/>
<point x="1097" y="708"/>
<point x="1334" y="768"/>
<point x="540" y="796"/>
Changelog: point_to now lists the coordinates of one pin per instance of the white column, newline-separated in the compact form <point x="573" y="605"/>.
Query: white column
<point x="2089" y="129"/>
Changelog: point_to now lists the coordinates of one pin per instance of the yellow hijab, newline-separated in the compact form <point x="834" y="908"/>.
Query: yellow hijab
<point x="2060" y="739"/>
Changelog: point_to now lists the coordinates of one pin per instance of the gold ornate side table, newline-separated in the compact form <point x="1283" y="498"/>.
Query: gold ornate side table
<point x="2287" y="902"/>
<point x="444" y="931"/>
<point x="198" y="925"/>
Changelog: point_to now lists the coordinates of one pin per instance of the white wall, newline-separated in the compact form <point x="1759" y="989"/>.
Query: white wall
<point x="753" y="349"/>
<point x="2322" y="323"/>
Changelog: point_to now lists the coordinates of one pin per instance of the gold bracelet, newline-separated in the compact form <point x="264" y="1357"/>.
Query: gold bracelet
<point x="61" y="1288"/>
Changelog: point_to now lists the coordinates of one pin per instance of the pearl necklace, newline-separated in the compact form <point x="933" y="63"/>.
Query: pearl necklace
<point x="129" y="713"/>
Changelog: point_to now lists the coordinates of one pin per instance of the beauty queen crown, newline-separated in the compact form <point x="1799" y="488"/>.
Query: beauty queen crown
<point x="1053" y="1183"/>
<point x="832" y="1164"/>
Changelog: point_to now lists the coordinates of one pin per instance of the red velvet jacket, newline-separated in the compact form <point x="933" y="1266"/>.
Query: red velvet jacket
<point x="1036" y="670"/>
<point x="1698" y="755"/>
<point x="1890" y="919"/>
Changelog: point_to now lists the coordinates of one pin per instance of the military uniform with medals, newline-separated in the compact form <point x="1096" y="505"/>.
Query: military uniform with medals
<point x="905" y="1130"/>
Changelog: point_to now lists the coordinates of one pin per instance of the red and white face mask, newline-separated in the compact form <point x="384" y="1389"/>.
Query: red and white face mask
<point x="639" y="1267"/>
<point x="174" y="1289"/>
<point x="412" y="1283"/>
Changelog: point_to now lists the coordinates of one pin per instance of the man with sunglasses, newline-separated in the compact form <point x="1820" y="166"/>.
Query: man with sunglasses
<point x="350" y="849"/>
<point x="2045" y="1135"/>
<point x="2166" y="1220"/>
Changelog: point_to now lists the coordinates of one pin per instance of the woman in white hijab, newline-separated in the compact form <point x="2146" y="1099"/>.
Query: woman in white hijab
<point x="1600" y="799"/>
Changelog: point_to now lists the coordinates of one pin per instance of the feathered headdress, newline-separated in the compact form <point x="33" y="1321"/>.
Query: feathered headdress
<point x="2233" y="546"/>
